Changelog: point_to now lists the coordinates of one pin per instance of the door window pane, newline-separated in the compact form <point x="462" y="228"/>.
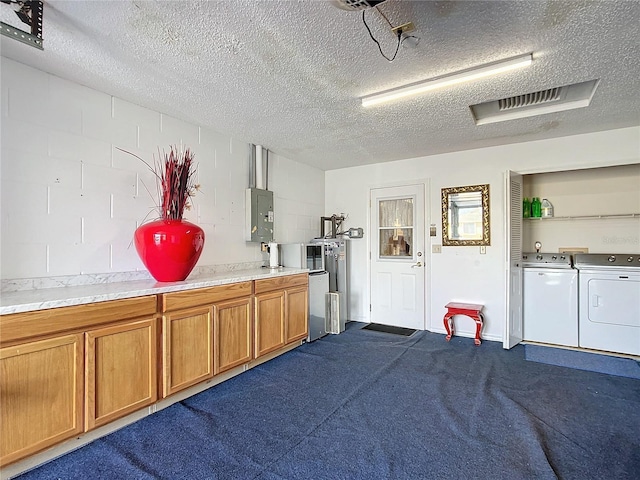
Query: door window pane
<point x="396" y="213"/>
<point x="396" y="242"/>
<point x="395" y="227"/>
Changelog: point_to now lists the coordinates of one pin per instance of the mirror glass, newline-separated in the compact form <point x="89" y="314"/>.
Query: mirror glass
<point x="465" y="215"/>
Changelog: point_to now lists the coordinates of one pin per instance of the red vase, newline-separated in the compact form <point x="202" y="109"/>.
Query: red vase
<point x="169" y="248"/>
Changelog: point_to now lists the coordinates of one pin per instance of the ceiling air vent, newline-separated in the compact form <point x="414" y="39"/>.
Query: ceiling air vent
<point x="551" y="100"/>
<point x="354" y="5"/>
<point x="535" y="98"/>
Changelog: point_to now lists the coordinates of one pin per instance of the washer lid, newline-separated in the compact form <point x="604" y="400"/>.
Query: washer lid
<point x="605" y="260"/>
<point x="549" y="260"/>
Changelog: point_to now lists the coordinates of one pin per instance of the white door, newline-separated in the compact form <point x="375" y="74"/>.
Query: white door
<point x="397" y="256"/>
<point x="513" y="203"/>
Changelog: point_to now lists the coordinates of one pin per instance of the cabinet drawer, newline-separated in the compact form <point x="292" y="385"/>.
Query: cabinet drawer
<point x="202" y="296"/>
<point x="278" y="283"/>
<point x="20" y="326"/>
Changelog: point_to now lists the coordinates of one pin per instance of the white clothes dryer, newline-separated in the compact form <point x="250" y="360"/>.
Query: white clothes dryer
<point x="609" y="302"/>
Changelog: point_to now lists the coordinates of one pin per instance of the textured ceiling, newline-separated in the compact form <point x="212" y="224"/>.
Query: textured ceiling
<point x="289" y="74"/>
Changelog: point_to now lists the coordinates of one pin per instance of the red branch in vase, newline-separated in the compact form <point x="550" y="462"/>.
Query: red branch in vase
<point x="176" y="183"/>
<point x="174" y="172"/>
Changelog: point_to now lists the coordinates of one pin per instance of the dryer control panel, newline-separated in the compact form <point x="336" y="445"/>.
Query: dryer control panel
<point x="604" y="260"/>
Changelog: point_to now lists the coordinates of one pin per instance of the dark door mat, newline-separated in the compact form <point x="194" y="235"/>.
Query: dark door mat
<point x="389" y="329"/>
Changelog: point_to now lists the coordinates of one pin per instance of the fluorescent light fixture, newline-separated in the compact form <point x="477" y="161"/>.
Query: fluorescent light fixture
<point x="462" y="76"/>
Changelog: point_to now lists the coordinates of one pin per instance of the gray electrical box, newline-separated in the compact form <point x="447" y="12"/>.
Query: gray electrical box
<point x="259" y="215"/>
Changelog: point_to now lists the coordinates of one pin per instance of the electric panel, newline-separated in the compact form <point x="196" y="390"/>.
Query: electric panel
<point x="259" y="215"/>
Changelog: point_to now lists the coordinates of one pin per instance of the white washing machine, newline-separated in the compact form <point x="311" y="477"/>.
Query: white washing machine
<point x="609" y="302"/>
<point x="550" y="299"/>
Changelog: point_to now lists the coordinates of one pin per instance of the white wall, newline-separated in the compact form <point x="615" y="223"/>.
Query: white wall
<point x="299" y="200"/>
<point x="70" y="201"/>
<point x="462" y="273"/>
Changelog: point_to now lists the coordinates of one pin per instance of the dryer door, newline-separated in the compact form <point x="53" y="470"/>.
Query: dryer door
<point x="615" y="300"/>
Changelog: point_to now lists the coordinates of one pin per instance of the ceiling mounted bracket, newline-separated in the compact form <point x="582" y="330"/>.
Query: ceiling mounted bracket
<point x="30" y="13"/>
<point x="404" y="28"/>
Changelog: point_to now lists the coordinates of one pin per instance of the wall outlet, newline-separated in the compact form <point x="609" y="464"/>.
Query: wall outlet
<point x="436" y="248"/>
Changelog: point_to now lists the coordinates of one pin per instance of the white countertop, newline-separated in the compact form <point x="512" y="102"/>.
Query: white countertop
<point x="42" y="299"/>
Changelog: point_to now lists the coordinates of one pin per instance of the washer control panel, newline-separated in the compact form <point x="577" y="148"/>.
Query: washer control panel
<point x="555" y="260"/>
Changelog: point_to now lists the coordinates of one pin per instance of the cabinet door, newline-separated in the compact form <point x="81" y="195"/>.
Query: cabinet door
<point x="41" y="386"/>
<point x="121" y="371"/>
<point x="297" y="314"/>
<point x="187" y="348"/>
<point x="269" y="322"/>
<point x="232" y="333"/>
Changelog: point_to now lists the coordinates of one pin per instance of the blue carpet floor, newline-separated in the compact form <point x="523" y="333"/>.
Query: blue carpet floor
<point x="366" y="405"/>
<point x="593" y="362"/>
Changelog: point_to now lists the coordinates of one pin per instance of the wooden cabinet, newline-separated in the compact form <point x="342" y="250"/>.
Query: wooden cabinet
<point x="297" y="314"/>
<point x="121" y="370"/>
<point x="269" y="323"/>
<point x="64" y="370"/>
<point x="233" y="334"/>
<point x="27" y="326"/>
<point x="205" y="332"/>
<point x="187" y="337"/>
<point x="281" y="312"/>
<point x="41" y="390"/>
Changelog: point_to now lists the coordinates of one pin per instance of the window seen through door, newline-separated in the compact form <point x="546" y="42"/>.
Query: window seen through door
<point x="395" y="225"/>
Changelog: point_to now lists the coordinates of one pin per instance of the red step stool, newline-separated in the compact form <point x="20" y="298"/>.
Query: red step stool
<point x="471" y="310"/>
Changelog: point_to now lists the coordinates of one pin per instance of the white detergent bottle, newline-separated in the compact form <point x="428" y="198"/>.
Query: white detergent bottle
<point x="546" y="208"/>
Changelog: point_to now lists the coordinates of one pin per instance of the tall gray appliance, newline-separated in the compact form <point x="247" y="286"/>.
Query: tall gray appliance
<point x="336" y="262"/>
<point x="318" y="288"/>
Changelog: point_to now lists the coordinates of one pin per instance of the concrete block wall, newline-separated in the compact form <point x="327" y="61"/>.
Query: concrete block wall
<point x="70" y="200"/>
<point x="296" y="192"/>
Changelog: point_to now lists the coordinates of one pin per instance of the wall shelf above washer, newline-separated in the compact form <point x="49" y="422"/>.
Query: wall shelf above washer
<point x="585" y="217"/>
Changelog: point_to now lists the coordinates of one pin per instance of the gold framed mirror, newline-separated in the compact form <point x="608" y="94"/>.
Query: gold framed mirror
<point x="465" y="216"/>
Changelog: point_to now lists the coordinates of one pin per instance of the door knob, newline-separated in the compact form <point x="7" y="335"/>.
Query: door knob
<point x="419" y="264"/>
